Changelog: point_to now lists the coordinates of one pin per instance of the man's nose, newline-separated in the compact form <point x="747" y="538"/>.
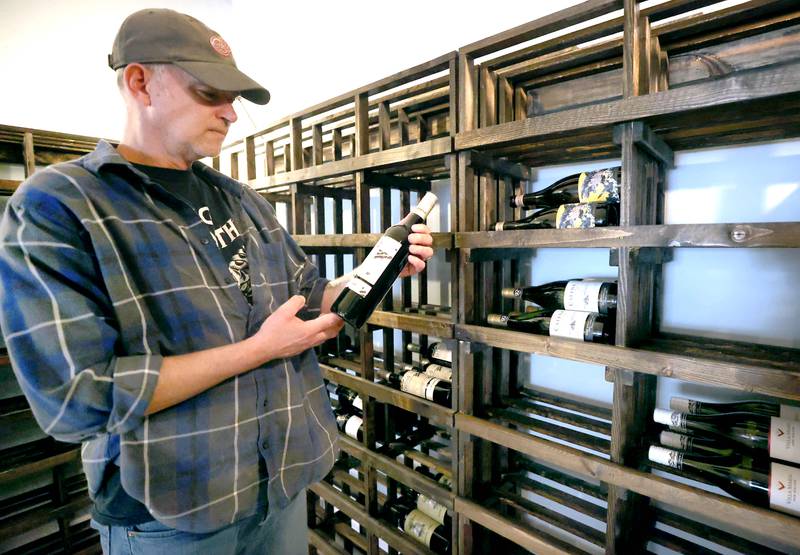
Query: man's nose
<point x="228" y="113"/>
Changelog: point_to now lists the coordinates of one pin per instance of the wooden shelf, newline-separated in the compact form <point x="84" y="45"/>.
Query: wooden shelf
<point x="733" y="235"/>
<point x="384" y="394"/>
<point x="777" y="375"/>
<point x="356" y="240"/>
<point x="753" y="521"/>
<point x="83" y="540"/>
<point x="415" y="323"/>
<point x="29" y="458"/>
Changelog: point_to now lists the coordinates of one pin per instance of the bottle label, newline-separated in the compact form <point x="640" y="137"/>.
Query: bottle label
<point x="421" y="526"/>
<point x="667" y="457"/>
<point x="358" y="403"/>
<point x="352" y="426"/>
<point x="441" y="352"/>
<point x="575" y="216"/>
<point x="433" y="509"/>
<point x="784" y="443"/>
<point x="583" y="295"/>
<point x="568" y="323"/>
<point x="378" y="259"/>
<point x="439" y="371"/>
<point x="359" y="286"/>
<point x="676" y="441"/>
<point x="670" y="418"/>
<point x="783" y="485"/>
<point x="599" y="186"/>
<point x="416" y="383"/>
<point x="425" y="205"/>
<point x="446" y="482"/>
<point x="790" y="412"/>
<point x="689" y="406"/>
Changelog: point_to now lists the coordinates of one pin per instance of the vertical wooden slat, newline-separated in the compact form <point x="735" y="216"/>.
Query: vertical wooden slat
<point x="215" y="163"/>
<point x="488" y="97"/>
<point x="336" y="143"/>
<point x="505" y="100"/>
<point x="319" y="205"/>
<point x="296" y="130"/>
<point x="521" y="104"/>
<point x="27" y="153"/>
<point x="384" y="126"/>
<point x="298" y="217"/>
<point x="287" y="158"/>
<point x="453" y="100"/>
<point x="467" y="94"/>
<point x="235" y="165"/>
<point x="466" y="209"/>
<point x="362" y="124"/>
<point x="402" y="126"/>
<point x="338" y="228"/>
<point x="316" y="145"/>
<point x="422" y="128"/>
<point x="250" y="157"/>
<point x="269" y="157"/>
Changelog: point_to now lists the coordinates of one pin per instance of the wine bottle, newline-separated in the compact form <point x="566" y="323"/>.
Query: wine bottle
<point x="373" y="278"/>
<point x="573" y="324"/>
<point x="774" y="486"/>
<point x="438" y="371"/>
<point x="350" y="424"/>
<point x="436" y="352"/>
<point x="779" y="438"/>
<point x="403" y="513"/>
<point x="429" y="506"/>
<point x="590" y="214"/>
<point x="422" y="385"/>
<point x="349" y="401"/>
<point x="594" y="186"/>
<point x="756" y="406"/>
<point x="583" y="295"/>
<point x="698" y="444"/>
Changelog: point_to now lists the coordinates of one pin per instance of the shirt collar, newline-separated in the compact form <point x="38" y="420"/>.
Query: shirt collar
<point x="105" y="155"/>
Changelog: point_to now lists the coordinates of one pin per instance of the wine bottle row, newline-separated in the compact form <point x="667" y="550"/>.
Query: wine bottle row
<point x="742" y="448"/>
<point x="585" y="200"/>
<point x="575" y="309"/>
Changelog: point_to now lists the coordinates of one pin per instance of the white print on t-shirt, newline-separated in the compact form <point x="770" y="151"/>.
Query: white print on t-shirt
<point x="227" y="229"/>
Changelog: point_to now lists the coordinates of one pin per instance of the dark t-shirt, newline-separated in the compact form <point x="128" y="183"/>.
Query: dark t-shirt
<point x="216" y="208"/>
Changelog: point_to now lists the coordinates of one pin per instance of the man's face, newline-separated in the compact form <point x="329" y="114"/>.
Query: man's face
<point x="191" y="117"/>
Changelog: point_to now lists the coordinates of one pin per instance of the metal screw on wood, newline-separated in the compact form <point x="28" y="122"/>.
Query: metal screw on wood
<point x="738" y="234"/>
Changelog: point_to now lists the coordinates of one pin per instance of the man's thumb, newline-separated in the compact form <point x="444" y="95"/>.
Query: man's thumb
<point x="293" y="305"/>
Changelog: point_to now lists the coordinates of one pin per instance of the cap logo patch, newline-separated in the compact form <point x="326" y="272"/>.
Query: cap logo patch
<point x="219" y="44"/>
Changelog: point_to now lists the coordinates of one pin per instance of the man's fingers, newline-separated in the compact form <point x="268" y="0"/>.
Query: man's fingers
<point x="420" y="239"/>
<point x="325" y="322"/>
<point x="423" y="253"/>
<point x="421" y="228"/>
<point x="293" y="305"/>
<point x="416" y="263"/>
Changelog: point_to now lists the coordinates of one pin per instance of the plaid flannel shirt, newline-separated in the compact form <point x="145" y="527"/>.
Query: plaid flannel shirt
<point x="104" y="274"/>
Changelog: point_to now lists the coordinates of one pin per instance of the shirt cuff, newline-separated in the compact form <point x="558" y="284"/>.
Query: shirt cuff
<point x="135" y="379"/>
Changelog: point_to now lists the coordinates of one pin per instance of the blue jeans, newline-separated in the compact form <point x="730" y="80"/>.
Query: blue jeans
<point x="282" y="533"/>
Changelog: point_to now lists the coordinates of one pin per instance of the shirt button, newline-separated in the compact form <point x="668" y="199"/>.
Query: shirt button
<point x="204" y="241"/>
<point x="265" y="445"/>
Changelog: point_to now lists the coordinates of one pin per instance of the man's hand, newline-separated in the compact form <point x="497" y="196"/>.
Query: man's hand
<point x="420" y="250"/>
<point x="283" y="334"/>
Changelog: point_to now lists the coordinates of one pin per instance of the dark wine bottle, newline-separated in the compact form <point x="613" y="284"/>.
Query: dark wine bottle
<point x="756" y="406"/>
<point x="349" y="401"/>
<point x="436" y="352"/>
<point x="573" y="324"/>
<point x="350" y="424"/>
<point x="594" y="186"/>
<point x="403" y="513"/>
<point x="701" y="445"/>
<point x="774" y="486"/>
<point x="429" y="506"/>
<point x="583" y="295"/>
<point x="373" y="278"/>
<point x="422" y="385"/>
<point x="777" y="438"/>
<point x="567" y="216"/>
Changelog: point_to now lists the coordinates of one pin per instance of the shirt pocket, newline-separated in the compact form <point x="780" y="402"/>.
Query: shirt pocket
<point x="271" y="283"/>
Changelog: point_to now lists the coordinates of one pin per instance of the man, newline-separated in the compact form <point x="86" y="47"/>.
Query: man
<point x="156" y="311"/>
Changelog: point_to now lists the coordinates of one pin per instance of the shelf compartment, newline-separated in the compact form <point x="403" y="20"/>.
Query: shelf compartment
<point x="29" y="458"/>
<point x="415" y="323"/>
<point x="384" y="394"/>
<point x="731" y="235"/>
<point x="777" y="374"/>
<point x="753" y="521"/>
<point x="83" y="540"/>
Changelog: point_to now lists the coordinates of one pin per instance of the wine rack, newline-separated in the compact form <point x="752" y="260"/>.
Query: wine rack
<point x="602" y="80"/>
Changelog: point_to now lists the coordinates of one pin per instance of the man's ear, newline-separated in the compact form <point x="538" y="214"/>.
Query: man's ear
<point x="136" y="78"/>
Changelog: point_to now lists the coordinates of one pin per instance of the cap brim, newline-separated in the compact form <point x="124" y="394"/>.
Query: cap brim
<point x="226" y="78"/>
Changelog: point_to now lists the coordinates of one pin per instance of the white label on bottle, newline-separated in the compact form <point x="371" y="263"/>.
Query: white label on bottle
<point x="675" y="441"/>
<point x="784" y="443"/>
<point x="358" y="403"/>
<point x="352" y="426"/>
<point x="431" y="387"/>
<point x="439" y="371"/>
<point x="669" y="418"/>
<point x="783" y="485"/>
<point x="359" y="286"/>
<point x="378" y="259"/>
<point x="680" y="404"/>
<point x="441" y="352"/>
<point x="415" y="383"/>
<point x="583" y="295"/>
<point x="790" y="412"/>
<point x="568" y="323"/>
<point x="435" y="510"/>
<point x="421" y="526"/>
<point x="667" y="457"/>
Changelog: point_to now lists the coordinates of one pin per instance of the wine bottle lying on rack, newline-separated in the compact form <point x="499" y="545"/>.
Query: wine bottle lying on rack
<point x="572" y="324"/>
<point x="422" y="385"/>
<point x="594" y="186"/>
<point x="402" y="512"/>
<point x="584" y="295"/>
<point x="757" y="406"/>
<point x="429" y="506"/>
<point x="438" y="371"/>
<point x="567" y="216"/>
<point x="777" y="438"/>
<point x="700" y="445"/>
<point x="436" y="352"/>
<point x="774" y="486"/>
<point x="374" y="277"/>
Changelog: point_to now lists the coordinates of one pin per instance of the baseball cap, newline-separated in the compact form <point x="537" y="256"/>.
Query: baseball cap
<point x="165" y="36"/>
